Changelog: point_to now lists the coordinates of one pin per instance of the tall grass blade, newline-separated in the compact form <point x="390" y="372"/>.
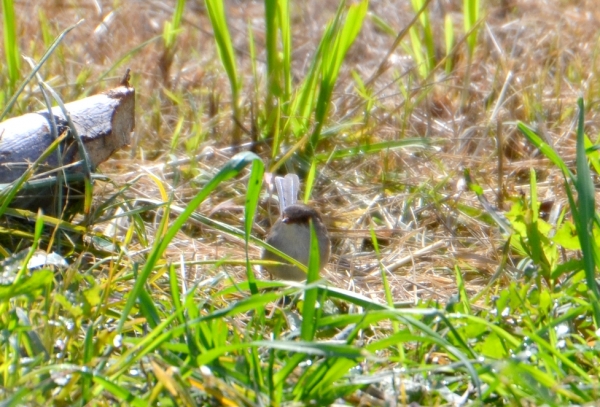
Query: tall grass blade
<point x="172" y="27"/>
<point x="337" y="42"/>
<point x="304" y="101"/>
<point x="216" y="13"/>
<point x="449" y="41"/>
<point x="428" y="42"/>
<point x="417" y="52"/>
<point x="252" y="199"/>
<point x="274" y="84"/>
<point x="286" y="52"/>
<point x="88" y="354"/>
<point x="11" y="43"/>
<point x="586" y="209"/>
<point x="279" y="77"/>
<point x="308" y="328"/>
<point x="471" y="16"/>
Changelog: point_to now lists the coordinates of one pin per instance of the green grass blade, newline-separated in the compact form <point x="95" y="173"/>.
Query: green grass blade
<point x="373" y="148"/>
<point x="286" y="52"/>
<point x="216" y="13"/>
<point x="273" y="61"/>
<point x="308" y="328"/>
<point x="252" y="199"/>
<point x="172" y="27"/>
<point x="11" y="43"/>
<point x="310" y="181"/>
<point x="545" y="149"/>
<point x="148" y="309"/>
<point x="428" y="43"/>
<point x="88" y="354"/>
<point x="471" y="16"/>
<point x="449" y="41"/>
<point x="533" y="232"/>
<point x="417" y="52"/>
<point x="586" y="208"/>
<point x="337" y="43"/>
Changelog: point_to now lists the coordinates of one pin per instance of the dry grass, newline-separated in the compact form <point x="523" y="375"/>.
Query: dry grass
<point x="532" y="61"/>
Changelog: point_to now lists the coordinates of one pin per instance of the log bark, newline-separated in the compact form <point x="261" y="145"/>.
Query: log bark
<point x="104" y="122"/>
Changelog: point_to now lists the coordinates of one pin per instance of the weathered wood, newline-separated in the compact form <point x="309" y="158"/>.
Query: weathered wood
<point x="104" y="122"/>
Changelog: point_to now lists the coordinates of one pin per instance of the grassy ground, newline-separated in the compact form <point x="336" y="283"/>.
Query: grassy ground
<point x="442" y="157"/>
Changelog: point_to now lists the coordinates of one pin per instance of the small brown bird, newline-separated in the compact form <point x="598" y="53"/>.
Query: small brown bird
<point x="291" y="233"/>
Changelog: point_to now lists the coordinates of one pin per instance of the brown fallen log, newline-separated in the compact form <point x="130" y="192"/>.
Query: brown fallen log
<point x="104" y="122"/>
